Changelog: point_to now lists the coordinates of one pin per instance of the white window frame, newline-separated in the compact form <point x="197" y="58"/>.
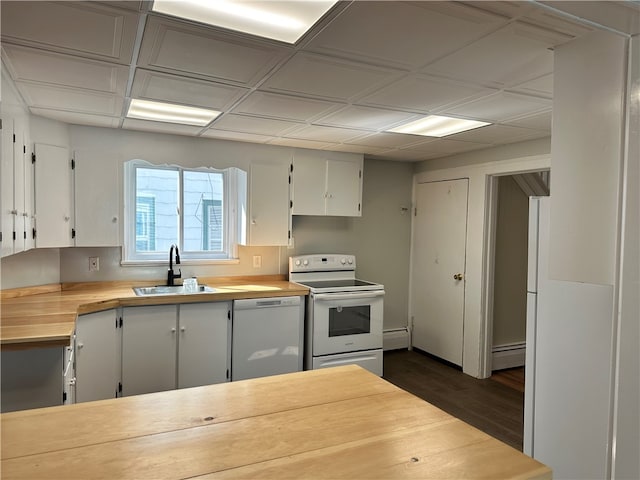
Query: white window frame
<point x="234" y="204"/>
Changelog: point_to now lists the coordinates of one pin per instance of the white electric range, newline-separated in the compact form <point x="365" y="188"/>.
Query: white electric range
<point x="343" y="322"/>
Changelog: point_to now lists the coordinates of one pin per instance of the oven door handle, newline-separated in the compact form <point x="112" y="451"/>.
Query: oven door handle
<point x="347" y="296"/>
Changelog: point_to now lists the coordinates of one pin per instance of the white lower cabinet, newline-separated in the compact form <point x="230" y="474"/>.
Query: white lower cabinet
<point x="203" y="344"/>
<point x="169" y="346"/>
<point x="149" y="347"/>
<point x="97" y="356"/>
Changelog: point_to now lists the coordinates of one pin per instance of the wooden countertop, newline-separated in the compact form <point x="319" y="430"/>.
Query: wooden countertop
<point x="342" y="422"/>
<point x="46" y="315"/>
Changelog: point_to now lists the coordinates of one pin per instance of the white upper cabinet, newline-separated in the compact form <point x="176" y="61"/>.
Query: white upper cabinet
<point x="6" y="186"/>
<point x="97" y="204"/>
<point x="53" y="196"/>
<point x="327" y="183"/>
<point x="269" y="219"/>
<point x="17" y="188"/>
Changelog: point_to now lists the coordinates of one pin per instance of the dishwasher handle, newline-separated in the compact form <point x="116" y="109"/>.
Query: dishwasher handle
<point x="254" y="303"/>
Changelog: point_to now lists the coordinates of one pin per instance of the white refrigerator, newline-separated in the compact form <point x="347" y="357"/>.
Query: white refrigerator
<point x="536" y="271"/>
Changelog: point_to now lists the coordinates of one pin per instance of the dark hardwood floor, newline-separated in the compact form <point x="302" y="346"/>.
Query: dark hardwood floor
<point x="494" y="406"/>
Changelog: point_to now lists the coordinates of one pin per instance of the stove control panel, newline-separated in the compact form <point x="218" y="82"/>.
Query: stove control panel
<point x="321" y="263"/>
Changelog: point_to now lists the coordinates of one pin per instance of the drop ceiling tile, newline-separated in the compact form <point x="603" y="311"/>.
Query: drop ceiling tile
<point x="494" y="134"/>
<point x="284" y="107"/>
<point x="539" y="121"/>
<point x="160" y="127"/>
<point x="401" y="34"/>
<point x="423" y="93"/>
<point x="75" y="118"/>
<point x="255" y="125"/>
<point x="236" y="136"/>
<point x="327" y="78"/>
<point x="389" y="140"/>
<point x="78" y="28"/>
<point x="442" y="147"/>
<point x="343" y="147"/>
<point x="366" y="118"/>
<point x="298" y="143"/>
<point x="70" y="99"/>
<point x="323" y="134"/>
<point x="29" y="64"/>
<point x="151" y="85"/>
<point x="500" y="107"/>
<point x="193" y="50"/>
<point x="400" y="155"/>
<point x="542" y="86"/>
<point x="511" y="55"/>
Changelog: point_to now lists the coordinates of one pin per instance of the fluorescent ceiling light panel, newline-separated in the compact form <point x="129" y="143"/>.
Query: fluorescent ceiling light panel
<point x="286" y="21"/>
<point x="438" y="126"/>
<point x="170" y="113"/>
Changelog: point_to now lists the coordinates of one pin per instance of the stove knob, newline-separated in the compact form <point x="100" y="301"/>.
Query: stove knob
<point x="343" y="261"/>
<point x="350" y="261"/>
<point x="297" y="263"/>
<point x="305" y="262"/>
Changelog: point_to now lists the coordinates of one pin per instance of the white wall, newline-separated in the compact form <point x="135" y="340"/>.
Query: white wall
<point x="584" y="366"/>
<point x="380" y="239"/>
<point x="510" y="273"/>
<point x="589" y="82"/>
<point x="626" y="427"/>
<point x="478" y="167"/>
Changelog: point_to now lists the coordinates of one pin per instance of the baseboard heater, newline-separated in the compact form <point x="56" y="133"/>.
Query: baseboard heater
<point x="395" y="339"/>
<point x="510" y="355"/>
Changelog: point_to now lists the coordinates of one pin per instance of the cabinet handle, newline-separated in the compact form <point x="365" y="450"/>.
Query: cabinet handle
<point x="14" y="212"/>
<point x="182" y="329"/>
<point x="173" y="330"/>
<point x="114" y="219"/>
<point x="80" y="345"/>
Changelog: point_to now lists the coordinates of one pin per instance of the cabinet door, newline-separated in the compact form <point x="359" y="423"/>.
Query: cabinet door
<point x="97" y="356"/>
<point x="18" y="184"/>
<point x="344" y="188"/>
<point x="309" y="183"/>
<point x="6" y="186"/>
<point x="52" y="196"/>
<point x="269" y="204"/>
<point x="203" y="347"/>
<point x="149" y="346"/>
<point x="96" y="201"/>
<point x="27" y="214"/>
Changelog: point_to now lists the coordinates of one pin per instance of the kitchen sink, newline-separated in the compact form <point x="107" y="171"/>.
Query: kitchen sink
<point x="170" y="290"/>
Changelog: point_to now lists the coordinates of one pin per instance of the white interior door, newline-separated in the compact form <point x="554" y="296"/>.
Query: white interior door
<point x="438" y="261"/>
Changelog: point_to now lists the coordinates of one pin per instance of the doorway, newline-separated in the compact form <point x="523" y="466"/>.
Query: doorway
<point x="507" y="313"/>
<point x="509" y="210"/>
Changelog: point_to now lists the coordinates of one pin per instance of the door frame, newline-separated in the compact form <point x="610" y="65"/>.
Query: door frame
<point x="476" y="360"/>
<point x="489" y="265"/>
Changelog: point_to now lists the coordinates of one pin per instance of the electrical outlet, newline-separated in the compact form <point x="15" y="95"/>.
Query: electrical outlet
<point x="94" y="264"/>
<point x="257" y="261"/>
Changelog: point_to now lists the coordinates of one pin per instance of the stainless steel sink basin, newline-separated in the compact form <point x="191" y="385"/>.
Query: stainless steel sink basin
<point x="170" y="290"/>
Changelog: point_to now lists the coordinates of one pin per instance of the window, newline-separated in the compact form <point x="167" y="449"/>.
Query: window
<point x="198" y="209"/>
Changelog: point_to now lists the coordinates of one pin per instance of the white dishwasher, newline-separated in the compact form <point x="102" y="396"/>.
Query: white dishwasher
<point x="267" y="337"/>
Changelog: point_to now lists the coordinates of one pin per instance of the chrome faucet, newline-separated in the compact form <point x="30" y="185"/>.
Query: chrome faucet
<point x="170" y="275"/>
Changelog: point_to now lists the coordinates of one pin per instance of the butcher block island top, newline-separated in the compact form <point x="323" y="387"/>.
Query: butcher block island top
<point x="45" y="315"/>
<point x="341" y="422"/>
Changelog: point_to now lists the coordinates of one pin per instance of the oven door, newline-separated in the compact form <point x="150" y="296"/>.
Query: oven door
<point x="347" y="322"/>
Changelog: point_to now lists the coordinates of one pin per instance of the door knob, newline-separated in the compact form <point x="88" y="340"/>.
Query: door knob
<point x="457" y="276"/>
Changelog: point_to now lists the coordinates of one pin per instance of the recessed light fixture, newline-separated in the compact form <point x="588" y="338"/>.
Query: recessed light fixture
<point x="438" y="126"/>
<point x="170" y="113"/>
<point x="286" y="21"/>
